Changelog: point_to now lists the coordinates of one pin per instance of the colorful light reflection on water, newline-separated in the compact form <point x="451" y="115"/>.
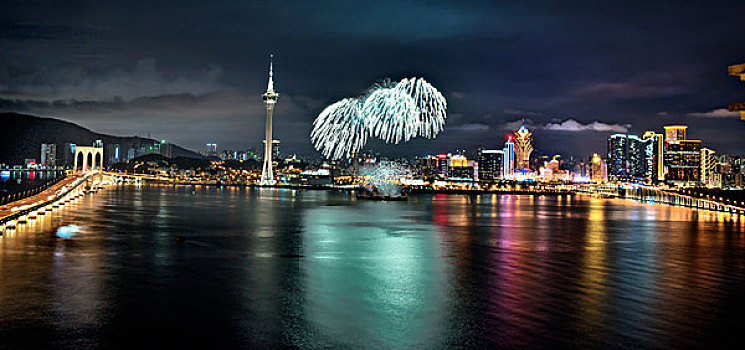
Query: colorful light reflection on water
<point x="273" y="268"/>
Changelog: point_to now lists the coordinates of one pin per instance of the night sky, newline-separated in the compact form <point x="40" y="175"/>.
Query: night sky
<point x="192" y="71"/>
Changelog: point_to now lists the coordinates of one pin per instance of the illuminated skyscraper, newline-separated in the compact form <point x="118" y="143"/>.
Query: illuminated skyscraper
<point x="655" y="150"/>
<point x="631" y="158"/>
<point x="598" y="170"/>
<point x="708" y="165"/>
<point x="270" y="99"/>
<point x="617" y="156"/>
<point x="523" y="147"/>
<point x="508" y="156"/>
<point x="443" y="164"/>
<point x="683" y="161"/>
<point x="637" y="157"/>
<point x="491" y="163"/>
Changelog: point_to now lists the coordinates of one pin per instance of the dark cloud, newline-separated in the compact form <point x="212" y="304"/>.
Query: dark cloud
<point x="193" y="71"/>
<point x="716" y="113"/>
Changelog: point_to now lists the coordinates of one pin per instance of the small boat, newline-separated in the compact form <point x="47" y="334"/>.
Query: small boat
<point x="375" y="196"/>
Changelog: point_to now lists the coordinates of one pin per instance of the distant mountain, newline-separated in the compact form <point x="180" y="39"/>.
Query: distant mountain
<point x="21" y="136"/>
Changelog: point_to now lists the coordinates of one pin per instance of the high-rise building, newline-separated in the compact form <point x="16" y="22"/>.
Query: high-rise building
<point x="508" y="157"/>
<point x="48" y="155"/>
<point x="491" y="163"/>
<point x="443" y="164"/>
<point x="598" y="170"/>
<point x="675" y="132"/>
<point x="683" y="162"/>
<point x="656" y="150"/>
<point x="270" y="99"/>
<point x="523" y="139"/>
<point x="637" y="158"/>
<point x="617" y="156"/>
<point x="633" y="158"/>
<point x="708" y="167"/>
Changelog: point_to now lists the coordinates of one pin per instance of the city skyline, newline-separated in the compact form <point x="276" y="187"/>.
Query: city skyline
<point x="435" y="174"/>
<point x="574" y="90"/>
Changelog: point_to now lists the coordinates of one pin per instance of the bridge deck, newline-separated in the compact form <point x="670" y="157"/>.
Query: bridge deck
<point x="7" y="209"/>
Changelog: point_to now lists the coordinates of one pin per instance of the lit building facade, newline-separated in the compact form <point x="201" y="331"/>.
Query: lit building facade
<point x="617" y="146"/>
<point x="656" y="165"/>
<point x="708" y="167"/>
<point x="443" y="164"/>
<point x="598" y="170"/>
<point x="633" y="158"/>
<point x="491" y="163"/>
<point x="458" y="167"/>
<point x="523" y="139"/>
<point x="508" y="157"/>
<point x="683" y="162"/>
<point x="637" y="158"/>
<point x="427" y="166"/>
<point x="458" y="160"/>
<point x="675" y="132"/>
<point x="461" y="173"/>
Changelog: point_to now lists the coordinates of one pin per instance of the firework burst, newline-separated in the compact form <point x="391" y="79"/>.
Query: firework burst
<point x="429" y="102"/>
<point x="393" y="112"/>
<point x="391" y="115"/>
<point x="340" y="130"/>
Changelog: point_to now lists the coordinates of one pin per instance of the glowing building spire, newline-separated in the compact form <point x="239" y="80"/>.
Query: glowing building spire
<point x="523" y="147"/>
<point x="270" y="84"/>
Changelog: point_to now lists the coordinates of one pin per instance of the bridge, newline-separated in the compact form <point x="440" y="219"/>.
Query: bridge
<point x="61" y="193"/>
<point x="644" y="193"/>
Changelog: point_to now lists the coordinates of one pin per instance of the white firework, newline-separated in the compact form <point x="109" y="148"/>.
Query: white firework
<point x="340" y="130"/>
<point x="391" y="115"/>
<point x="430" y="103"/>
<point x="393" y="112"/>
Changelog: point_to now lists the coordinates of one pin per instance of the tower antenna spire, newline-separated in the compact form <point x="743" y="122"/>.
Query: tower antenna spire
<point x="270" y="85"/>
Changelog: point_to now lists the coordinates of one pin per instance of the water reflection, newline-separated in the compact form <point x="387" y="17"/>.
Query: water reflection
<point x="311" y="269"/>
<point x="378" y="280"/>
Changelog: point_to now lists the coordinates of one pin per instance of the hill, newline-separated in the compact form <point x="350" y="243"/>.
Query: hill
<point x="21" y="137"/>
